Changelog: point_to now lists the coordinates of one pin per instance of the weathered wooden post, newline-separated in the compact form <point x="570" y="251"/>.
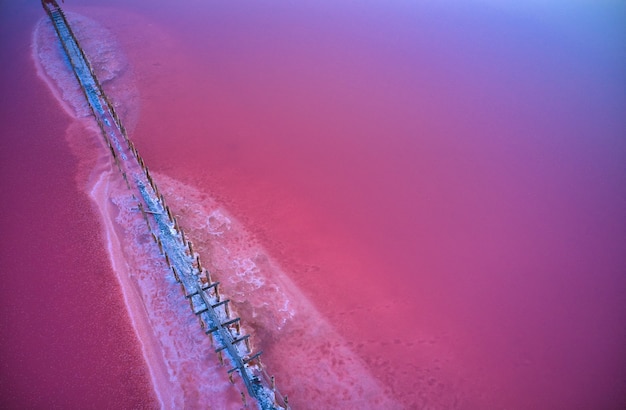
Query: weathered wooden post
<point x="150" y="181"/>
<point x="217" y="292"/>
<point x="126" y="179"/>
<point x="227" y="310"/>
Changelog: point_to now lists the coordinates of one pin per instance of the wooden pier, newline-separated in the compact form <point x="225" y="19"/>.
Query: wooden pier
<point x="197" y="284"/>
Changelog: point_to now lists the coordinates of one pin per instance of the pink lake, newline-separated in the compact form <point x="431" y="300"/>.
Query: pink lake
<point x="436" y="192"/>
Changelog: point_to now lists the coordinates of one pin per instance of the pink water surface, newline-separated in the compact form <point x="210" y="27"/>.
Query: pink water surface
<point x="65" y="337"/>
<point x="444" y="183"/>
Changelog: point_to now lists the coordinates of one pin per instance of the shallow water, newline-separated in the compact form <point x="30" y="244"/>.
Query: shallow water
<point x="415" y="204"/>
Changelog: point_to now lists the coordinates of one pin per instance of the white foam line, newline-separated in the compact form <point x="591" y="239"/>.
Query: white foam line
<point x="41" y="72"/>
<point x="98" y="195"/>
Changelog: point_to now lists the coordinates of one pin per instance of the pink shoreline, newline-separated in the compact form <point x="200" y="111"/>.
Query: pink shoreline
<point x="100" y="195"/>
<point x="98" y="192"/>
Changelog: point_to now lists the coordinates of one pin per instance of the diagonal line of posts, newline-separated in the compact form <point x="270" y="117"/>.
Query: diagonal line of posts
<point x="213" y="312"/>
